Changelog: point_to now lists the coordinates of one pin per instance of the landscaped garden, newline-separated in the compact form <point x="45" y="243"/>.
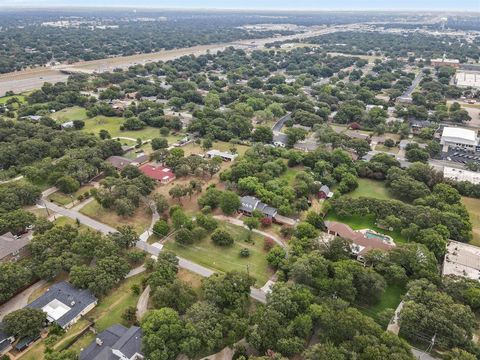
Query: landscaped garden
<point x="228" y="258"/>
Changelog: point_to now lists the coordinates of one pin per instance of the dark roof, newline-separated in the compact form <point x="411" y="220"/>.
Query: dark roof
<point x="251" y="203"/>
<point x="76" y="299"/>
<point x="9" y="245"/>
<point x="3" y="335"/>
<point x="141" y="159"/>
<point x="119" y="162"/>
<point x="116" y="337"/>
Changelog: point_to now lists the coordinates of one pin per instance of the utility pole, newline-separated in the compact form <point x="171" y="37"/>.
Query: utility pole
<point x="432" y="343"/>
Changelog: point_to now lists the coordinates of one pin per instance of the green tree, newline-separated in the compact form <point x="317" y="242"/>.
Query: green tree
<point x="222" y="237"/>
<point x="229" y="202"/>
<point x="67" y="184"/>
<point x="25" y="322"/>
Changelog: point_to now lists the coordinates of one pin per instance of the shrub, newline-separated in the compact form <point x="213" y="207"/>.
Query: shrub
<point x="222" y="237"/>
<point x="244" y="252"/>
<point x="184" y="236"/>
<point x="268" y="243"/>
<point x="199" y="233"/>
<point x="266" y="221"/>
<point x="161" y="228"/>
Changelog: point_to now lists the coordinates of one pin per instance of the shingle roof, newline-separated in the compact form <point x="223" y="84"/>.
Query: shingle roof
<point x="251" y="203"/>
<point x="116" y="337"/>
<point x="8" y="244"/>
<point x="76" y="299"/>
<point x="119" y="162"/>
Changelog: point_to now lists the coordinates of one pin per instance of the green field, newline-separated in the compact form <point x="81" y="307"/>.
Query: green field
<point x="64" y="199"/>
<point x="370" y="188"/>
<point x="473" y="207"/>
<point x="112" y="125"/>
<point x="225" y="259"/>
<point x="390" y="299"/>
<point x="70" y="114"/>
<point x="4" y="99"/>
<point x="140" y="220"/>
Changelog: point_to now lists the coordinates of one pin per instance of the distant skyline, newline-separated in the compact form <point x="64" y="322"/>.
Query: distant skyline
<point x="433" y="5"/>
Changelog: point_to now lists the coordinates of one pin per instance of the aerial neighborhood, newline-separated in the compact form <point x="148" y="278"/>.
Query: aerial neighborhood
<point x="219" y="184"/>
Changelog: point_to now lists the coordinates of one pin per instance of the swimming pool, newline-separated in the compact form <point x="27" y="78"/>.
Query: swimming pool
<point x="372" y="235"/>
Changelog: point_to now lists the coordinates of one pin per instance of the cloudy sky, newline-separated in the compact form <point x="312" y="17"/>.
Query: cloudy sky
<point x="459" y="5"/>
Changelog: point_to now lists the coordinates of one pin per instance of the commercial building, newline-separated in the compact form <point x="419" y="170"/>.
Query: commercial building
<point x="64" y="304"/>
<point x="461" y="175"/>
<point x="462" y="260"/>
<point x="115" y="343"/>
<point x="157" y="172"/>
<point x="467" y="79"/>
<point x="459" y="138"/>
<point x="445" y="62"/>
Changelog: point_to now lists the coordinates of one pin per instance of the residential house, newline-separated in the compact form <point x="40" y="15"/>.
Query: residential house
<point x="324" y="192"/>
<point x="226" y="156"/>
<point x="119" y="162"/>
<point x="13" y="248"/>
<point x="117" y="342"/>
<point x="32" y="117"/>
<point x="362" y="241"/>
<point x="64" y="304"/>
<point x="6" y="340"/>
<point x="249" y="204"/>
<point x="67" y="125"/>
<point x="157" y="172"/>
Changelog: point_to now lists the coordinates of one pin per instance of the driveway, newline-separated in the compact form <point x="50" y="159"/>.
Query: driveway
<point x="20" y="300"/>
<point x="142" y="304"/>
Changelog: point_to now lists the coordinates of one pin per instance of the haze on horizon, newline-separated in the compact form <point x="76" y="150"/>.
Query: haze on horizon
<point x="425" y="5"/>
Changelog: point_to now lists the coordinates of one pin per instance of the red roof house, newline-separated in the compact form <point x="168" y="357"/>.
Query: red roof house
<point x="157" y="172"/>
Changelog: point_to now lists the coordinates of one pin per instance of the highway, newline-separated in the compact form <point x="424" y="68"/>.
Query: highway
<point x="31" y="79"/>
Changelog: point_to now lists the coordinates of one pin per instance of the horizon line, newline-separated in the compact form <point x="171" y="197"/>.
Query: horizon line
<point x="26" y="6"/>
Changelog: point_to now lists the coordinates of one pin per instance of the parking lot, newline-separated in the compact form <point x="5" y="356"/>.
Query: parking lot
<point x="462" y="157"/>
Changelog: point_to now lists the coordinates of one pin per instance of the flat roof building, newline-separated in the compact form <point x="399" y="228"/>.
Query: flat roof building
<point x="446" y="62"/>
<point x="226" y="156"/>
<point x="467" y="79"/>
<point x="461" y="175"/>
<point x="462" y="260"/>
<point x="461" y="138"/>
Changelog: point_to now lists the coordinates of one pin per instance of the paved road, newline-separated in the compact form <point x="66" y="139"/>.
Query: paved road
<point x="19" y="301"/>
<point x="422" y="355"/>
<point x="143" y="245"/>
<point x="281" y="123"/>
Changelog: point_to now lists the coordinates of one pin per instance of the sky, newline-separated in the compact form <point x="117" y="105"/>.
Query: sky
<point x="435" y="5"/>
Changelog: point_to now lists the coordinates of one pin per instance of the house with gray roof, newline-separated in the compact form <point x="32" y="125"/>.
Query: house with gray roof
<point x="13" y="248"/>
<point x="250" y="203"/>
<point x="64" y="304"/>
<point x="5" y="340"/>
<point x="115" y="343"/>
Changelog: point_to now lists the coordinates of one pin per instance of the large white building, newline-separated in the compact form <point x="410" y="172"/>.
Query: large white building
<point x="461" y="175"/>
<point x="462" y="260"/>
<point x="468" y="79"/>
<point x="459" y="138"/>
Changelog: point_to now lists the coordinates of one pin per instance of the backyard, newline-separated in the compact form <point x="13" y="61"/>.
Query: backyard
<point x="225" y="259"/>
<point x="473" y="207"/>
<point x="370" y="188"/>
<point x="140" y="220"/>
<point x="70" y="114"/>
<point x="389" y="300"/>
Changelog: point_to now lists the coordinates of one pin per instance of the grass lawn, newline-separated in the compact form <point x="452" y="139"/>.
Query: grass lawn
<point x="392" y="150"/>
<point x="4" y="99"/>
<point x="290" y="174"/>
<point x="63" y="220"/>
<point x="225" y="259"/>
<point x="365" y="222"/>
<point x="63" y="199"/>
<point x="140" y="220"/>
<point x="70" y="114"/>
<point x="112" y="125"/>
<point x="370" y="188"/>
<point x="390" y="298"/>
<point x="473" y="207"/>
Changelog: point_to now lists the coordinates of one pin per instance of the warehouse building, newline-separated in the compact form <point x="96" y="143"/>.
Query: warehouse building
<point x="467" y="79"/>
<point x="459" y="138"/>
